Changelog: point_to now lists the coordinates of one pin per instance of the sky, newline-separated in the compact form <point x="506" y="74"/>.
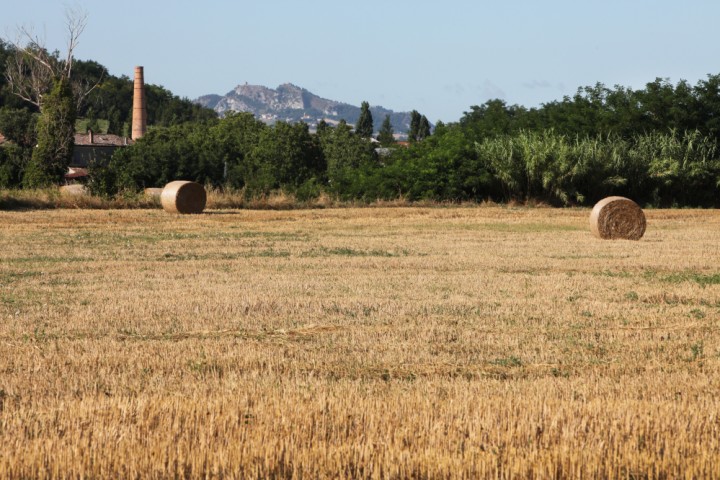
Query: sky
<point x="437" y="57"/>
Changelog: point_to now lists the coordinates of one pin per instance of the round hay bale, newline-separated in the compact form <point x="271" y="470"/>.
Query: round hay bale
<point x="183" y="197"/>
<point x="75" y="190"/>
<point x="617" y="218"/>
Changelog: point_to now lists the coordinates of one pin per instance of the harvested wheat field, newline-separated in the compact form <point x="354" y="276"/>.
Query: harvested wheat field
<point x="364" y="343"/>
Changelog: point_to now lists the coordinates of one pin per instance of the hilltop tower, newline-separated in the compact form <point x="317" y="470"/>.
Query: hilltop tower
<point x="139" y="115"/>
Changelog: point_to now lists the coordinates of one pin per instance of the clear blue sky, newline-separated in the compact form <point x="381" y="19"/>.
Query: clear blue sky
<point x="438" y="57"/>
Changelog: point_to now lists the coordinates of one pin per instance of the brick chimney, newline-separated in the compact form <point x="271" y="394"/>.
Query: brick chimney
<point x="139" y="117"/>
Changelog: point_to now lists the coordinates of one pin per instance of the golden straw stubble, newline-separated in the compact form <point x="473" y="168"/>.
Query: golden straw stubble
<point x="183" y="197"/>
<point x="617" y="218"/>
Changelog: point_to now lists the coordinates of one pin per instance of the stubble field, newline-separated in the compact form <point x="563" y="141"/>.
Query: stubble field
<point x="380" y="343"/>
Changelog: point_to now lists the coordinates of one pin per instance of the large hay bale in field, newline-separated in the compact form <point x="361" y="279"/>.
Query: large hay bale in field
<point x="183" y="197"/>
<point x="75" y="190"/>
<point x="617" y="218"/>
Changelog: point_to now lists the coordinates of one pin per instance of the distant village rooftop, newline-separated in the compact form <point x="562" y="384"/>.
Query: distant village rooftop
<point x="91" y="148"/>
<point x="101" y="139"/>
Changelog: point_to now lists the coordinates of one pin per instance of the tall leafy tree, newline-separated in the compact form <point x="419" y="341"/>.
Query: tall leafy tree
<point x="46" y="80"/>
<point x="364" y="126"/>
<point x="423" y="128"/>
<point x="55" y="137"/>
<point x="414" y="125"/>
<point x="386" y="135"/>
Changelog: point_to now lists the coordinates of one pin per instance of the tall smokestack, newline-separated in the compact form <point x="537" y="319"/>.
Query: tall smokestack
<point x="139" y="117"/>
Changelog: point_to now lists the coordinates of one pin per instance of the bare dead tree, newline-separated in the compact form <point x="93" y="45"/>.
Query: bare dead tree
<point x="33" y="69"/>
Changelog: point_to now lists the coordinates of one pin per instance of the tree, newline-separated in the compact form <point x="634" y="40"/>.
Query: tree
<point x="286" y="156"/>
<point x="364" y="126"/>
<point x="55" y="138"/>
<point x="44" y="79"/>
<point x="344" y="153"/>
<point x="423" y="128"/>
<point x="322" y="127"/>
<point x="385" y="136"/>
<point x="32" y="70"/>
<point x="18" y="125"/>
<point x="414" y="126"/>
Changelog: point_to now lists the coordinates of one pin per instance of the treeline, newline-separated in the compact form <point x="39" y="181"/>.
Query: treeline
<point x="599" y="110"/>
<point x="657" y="145"/>
<point x="240" y="152"/>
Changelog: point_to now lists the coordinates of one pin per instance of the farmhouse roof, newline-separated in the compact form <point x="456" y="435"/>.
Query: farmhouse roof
<point x="101" y="139"/>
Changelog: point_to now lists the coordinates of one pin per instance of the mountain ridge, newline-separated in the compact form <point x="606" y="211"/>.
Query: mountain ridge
<point x="291" y="103"/>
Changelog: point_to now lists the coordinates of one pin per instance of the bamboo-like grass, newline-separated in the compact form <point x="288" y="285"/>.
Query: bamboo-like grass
<point x="374" y="343"/>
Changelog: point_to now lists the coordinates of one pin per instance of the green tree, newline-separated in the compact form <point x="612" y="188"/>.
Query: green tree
<point x="322" y="126"/>
<point x="18" y="125"/>
<point x="386" y="135"/>
<point x="423" y="128"/>
<point x="234" y="138"/>
<point x="286" y="156"/>
<point x="345" y="153"/>
<point x="55" y="138"/>
<point x="414" y="126"/>
<point x="13" y="159"/>
<point x="364" y="126"/>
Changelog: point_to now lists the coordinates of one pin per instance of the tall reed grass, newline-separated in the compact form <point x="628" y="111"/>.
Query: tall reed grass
<point x="657" y="169"/>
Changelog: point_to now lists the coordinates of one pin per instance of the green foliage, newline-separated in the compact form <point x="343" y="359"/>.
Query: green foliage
<point x="164" y="155"/>
<point x="419" y="127"/>
<point x="18" y="126"/>
<point x="386" y="134"/>
<point x="658" y="169"/>
<point x="657" y="145"/>
<point x="55" y="138"/>
<point x="235" y="137"/>
<point x="285" y="156"/>
<point x="237" y="151"/>
<point x="13" y="160"/>
<point x="364" y="126"/>
<point x="414" y="126"/>
<point x="346" y="155"/>
<point x="240" y="152"/>
<point x="423" y="128"/>
<point x="111" y="101"/>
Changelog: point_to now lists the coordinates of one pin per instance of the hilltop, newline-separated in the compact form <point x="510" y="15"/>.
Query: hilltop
<point x="291" y="103"/>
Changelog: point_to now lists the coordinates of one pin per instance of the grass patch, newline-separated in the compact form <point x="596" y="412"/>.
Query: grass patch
<point x="528" y="227"/>
<point x="699" y="278"/>
<point x="12" y="277"/>
<point x="352" y="252"/>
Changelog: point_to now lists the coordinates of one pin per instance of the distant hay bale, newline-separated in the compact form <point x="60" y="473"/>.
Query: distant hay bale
<point x="75" y="190"/>
<point x="153" y="194"/>
<point x="183" y="197"/>
<point x="617" y="218"/>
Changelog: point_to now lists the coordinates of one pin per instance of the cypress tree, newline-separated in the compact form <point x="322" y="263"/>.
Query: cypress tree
<point x="423" y="128"/>
<point x="414" y="126"/>
<point x="364" y="126"/>
<point x="385" y="136"/>
<point x="55" y="138"/>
